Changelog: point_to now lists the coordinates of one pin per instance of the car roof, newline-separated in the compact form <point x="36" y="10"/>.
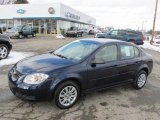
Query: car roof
<point x="103" y="41"/>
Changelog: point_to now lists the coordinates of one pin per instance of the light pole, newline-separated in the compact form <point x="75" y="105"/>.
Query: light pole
<point x="154" y="22"/>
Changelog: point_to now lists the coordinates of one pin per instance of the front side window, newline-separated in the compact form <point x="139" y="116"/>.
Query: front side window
<point x="114" y="32"/>
<point x="127" y="52"/>
<point x="77" y="50"/>
<point x="107" y="53"/>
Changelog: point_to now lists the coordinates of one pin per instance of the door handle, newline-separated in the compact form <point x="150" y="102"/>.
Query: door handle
<point x="137" y="62"/>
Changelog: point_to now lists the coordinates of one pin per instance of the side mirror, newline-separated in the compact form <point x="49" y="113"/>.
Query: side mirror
<point x="94" y="62"/>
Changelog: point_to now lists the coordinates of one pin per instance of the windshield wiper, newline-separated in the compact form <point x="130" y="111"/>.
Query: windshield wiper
<point x="60" y="56"/>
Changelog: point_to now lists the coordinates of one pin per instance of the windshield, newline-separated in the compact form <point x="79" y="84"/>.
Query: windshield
<point x="77" y="50"/>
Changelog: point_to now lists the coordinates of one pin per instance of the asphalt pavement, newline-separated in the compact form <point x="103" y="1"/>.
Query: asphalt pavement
<point x="120" y="103"/>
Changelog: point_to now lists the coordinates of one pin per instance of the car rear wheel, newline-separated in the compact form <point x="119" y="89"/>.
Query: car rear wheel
<point x="4" y="51"/>
<point x="67" y="94"/>
<point x="20" y="36"/>
<point x="33" y="35"/>
<point x="140" y="80"/>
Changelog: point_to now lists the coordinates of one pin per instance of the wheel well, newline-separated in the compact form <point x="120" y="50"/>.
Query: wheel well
<point x="6" y="43"/>
<point x="146" y="70"/>
<point x="68" y="79"/>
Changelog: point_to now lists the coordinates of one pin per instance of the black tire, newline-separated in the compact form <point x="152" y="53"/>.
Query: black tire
<point x="59" y="90"/>
<point x="20" y="36"/>
<point x="7" y="51"/>
<point x="76" y="35"/>
<point x="135" y="83"/>
<point x="33" y="35"/>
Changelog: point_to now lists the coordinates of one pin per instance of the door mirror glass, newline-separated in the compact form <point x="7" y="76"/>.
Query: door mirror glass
<point x="97" y="61"/>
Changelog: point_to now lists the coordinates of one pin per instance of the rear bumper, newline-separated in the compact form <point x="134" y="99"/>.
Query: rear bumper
<point x="139" y="42"/>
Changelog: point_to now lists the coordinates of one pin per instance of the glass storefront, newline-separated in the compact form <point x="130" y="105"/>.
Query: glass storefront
<point x="43" y="26"/>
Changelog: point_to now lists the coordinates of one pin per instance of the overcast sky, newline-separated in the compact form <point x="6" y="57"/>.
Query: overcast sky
<point x="116" y="13"/>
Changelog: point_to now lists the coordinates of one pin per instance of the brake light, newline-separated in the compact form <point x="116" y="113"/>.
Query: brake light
<point x="142" y="38"/>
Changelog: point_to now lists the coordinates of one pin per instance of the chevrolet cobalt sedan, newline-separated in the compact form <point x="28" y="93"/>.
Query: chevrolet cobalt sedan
<point x="77" y="68"/>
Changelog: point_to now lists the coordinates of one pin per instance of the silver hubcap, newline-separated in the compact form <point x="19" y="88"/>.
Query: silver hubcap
<point x="3" y="52"/>
<point x="142" y="80"/>
<point x="68" y="95"/>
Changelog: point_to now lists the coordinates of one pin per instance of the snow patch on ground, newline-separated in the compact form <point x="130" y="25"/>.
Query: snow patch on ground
<point x="147" y="45"/>
<point x="14" y="57"/>
<point x="60" y="36"/>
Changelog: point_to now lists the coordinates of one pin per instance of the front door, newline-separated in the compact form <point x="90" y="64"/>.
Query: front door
<point x="104" y="70"/>
<point x="113" y="34"/>
<point x="27" y="30"/>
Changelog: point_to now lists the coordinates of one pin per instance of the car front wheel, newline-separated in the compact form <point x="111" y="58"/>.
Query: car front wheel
<point x="140" y="80"/>
<point x="67" y="94"/>
<point x="4" y="51"/>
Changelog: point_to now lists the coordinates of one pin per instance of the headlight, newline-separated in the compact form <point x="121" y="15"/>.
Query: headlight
<point x="36" y="78"/>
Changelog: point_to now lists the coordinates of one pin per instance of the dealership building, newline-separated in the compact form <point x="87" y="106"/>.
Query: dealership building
<point x="45" y="18"/>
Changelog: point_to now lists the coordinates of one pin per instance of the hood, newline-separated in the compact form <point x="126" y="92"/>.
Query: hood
<point x="11" y="30"/>
<point x="42" y="63"/>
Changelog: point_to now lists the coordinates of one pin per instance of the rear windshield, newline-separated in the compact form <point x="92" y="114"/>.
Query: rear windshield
<point x="100" y="35"/>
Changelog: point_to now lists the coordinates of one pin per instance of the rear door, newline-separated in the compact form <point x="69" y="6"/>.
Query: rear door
<point x="122" y="35"/>
<point x="129" y="61"/>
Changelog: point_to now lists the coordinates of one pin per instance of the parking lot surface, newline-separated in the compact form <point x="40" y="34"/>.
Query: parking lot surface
<point x="120" y="103"/>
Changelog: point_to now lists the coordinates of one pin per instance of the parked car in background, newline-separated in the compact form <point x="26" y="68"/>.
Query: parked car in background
<point x="1" y="32"/>
<point x="94" y="31"/>
<point x="127" y="35"/>
<point x="5" y="46"/>
<point x="156" y="40"/>
<point x="84" y="31"/>
<point x="21" y="31"/>
<point x="79" y="67"/>
<point x="91" y="32"/>
<point x="100" y="35"/>
<point x="74" y="32"/>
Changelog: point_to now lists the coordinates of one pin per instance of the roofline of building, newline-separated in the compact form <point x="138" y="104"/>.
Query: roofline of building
<point x="54" y="18"/>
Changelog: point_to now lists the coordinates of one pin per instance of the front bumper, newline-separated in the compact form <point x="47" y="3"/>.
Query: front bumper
<point x="29" y="92"/>
<point x="12" y="34"/>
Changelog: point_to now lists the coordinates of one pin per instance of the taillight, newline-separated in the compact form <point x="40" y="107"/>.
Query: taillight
<point x="142" y="38"/>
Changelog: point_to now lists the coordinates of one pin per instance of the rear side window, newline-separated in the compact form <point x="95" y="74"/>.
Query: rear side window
<point x="121" y="32"/>
<point x="136" y="52"/>
<point x="129" y="52"/>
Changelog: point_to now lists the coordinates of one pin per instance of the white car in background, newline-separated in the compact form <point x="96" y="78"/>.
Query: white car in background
<point x="156" y="40"/>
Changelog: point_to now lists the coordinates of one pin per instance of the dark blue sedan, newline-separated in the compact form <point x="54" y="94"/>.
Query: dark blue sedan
<point x="77" y="68"/>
